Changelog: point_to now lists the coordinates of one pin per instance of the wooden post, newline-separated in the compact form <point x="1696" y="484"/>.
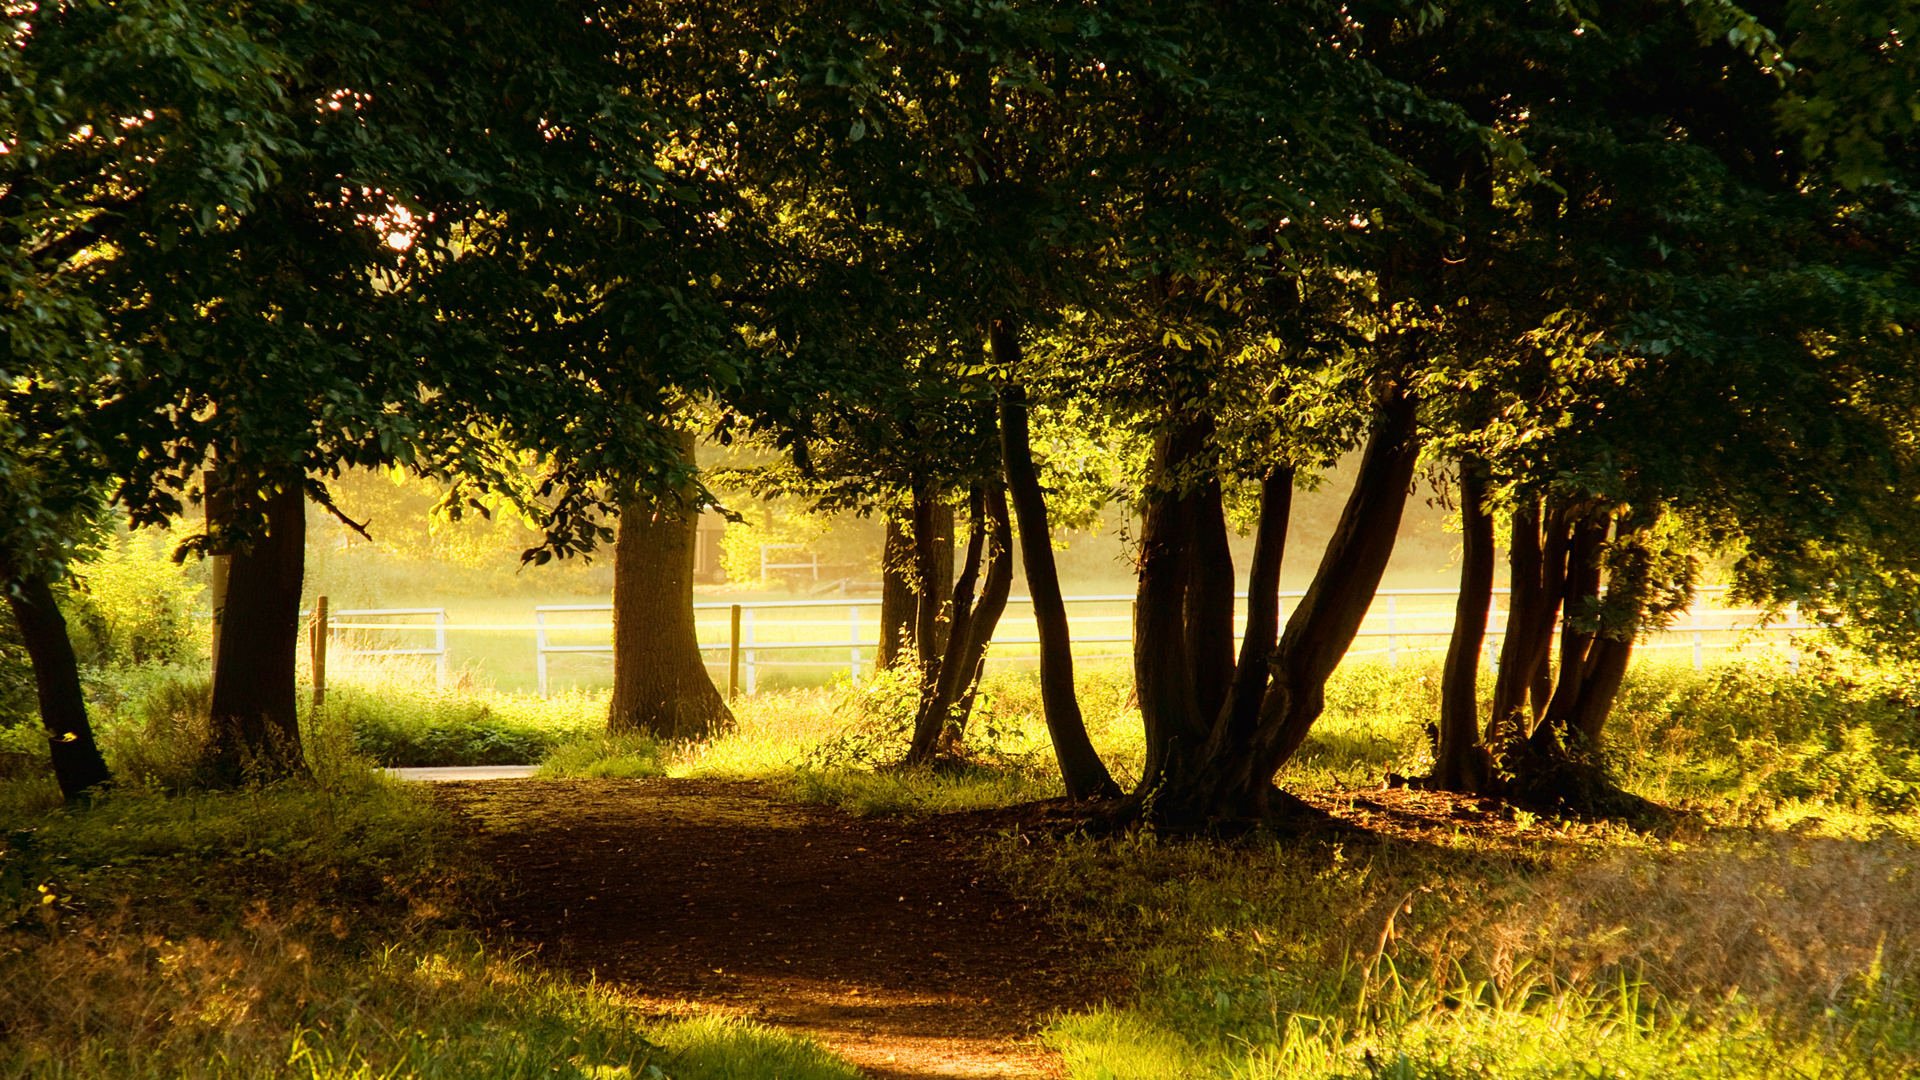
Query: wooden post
<point x="319" y="639"/>
<point x="733" y="656"/>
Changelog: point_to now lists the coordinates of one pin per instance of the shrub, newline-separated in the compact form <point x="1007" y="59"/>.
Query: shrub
<point x="132" y="604"/>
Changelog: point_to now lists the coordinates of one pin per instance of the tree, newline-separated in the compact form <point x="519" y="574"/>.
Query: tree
<point x="660" y="684"/>
<point x="150" y="108"/>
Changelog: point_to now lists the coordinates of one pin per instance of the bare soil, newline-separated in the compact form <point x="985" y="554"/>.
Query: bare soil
<point x="887" y="940"/>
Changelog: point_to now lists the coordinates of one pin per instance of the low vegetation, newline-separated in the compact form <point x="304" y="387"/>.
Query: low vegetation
<point x="327" y="928"/>
<point x="317" y="929"/>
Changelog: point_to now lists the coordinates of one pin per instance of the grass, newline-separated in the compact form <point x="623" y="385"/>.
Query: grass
<point x="319" y="930"/>
<point x="314" y="930"/>
<point x="1604" y="955"/>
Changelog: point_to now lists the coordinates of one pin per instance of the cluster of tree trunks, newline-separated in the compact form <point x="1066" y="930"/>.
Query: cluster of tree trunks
<point x="950" y="624"/>
<point x="660" y="683"/>
<point x="952" y="646"/>
<point x="1546" y="718"/>
<point x="1218" y="727"/>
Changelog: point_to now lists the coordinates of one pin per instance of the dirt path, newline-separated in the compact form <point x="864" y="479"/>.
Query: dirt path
<point x="883" y="939"/>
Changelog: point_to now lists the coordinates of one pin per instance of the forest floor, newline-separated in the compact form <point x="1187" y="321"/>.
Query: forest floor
<point x="885" y="939"/>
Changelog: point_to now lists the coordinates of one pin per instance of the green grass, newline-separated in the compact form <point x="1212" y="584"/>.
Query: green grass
<point x="1772" y="934"/>
<point x="311" y="930"/>
<point x="1605" y="956"/>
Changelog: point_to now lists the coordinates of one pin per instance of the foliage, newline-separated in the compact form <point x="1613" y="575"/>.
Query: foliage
<point x="132" y="604"/>
<point x="626" y="756"/>
<point x="397" y="724"/>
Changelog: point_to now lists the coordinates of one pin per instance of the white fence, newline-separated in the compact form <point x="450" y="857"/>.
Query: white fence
<point x="745" y="640"/>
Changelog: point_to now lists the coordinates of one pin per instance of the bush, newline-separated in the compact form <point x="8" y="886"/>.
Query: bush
<point x="395" y="724"/>
<point x="1839" y="732"/>
<point x="133" y="605"/>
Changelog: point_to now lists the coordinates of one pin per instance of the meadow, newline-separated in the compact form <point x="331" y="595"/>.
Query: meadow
<point x="332" y="928"/>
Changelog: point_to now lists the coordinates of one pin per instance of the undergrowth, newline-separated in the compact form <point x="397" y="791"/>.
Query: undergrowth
<point x="1621" y="957"/>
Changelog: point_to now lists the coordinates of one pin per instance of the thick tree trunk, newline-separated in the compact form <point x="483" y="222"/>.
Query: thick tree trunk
<point x="77" y="764"/>
<point x="1460" y="762"/>
<point x="1537" y="570"/>
<point x="1606" y="671"/>
<point x="1084" y="774"/>
<point x="1209" y="601"/>
<point x="253" y="725"/>
<point x="1576" y="642"/>
<point x="896" y="594"/>
<point x="1163" y="669"/>
<point x="940" y="722"/>
<point x="660" y="684"/>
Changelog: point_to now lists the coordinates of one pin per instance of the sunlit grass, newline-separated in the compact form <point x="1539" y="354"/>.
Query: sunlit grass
<point x="311" y="930"/>
<point x="1730" y="958"/>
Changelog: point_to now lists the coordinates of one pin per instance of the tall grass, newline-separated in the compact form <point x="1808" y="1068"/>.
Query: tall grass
<point x="1734" y="959"/>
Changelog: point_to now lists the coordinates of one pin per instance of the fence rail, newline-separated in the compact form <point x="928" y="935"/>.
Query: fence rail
<point x="843" y="634"/>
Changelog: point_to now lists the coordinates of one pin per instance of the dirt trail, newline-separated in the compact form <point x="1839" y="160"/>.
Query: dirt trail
<point x="883" y="939"/>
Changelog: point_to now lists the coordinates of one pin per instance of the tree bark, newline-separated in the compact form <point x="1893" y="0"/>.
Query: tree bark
<point x="896" y="594"/>
<point x="1209" y="600"/>
<point x="77" y="764"/>
<point x="1537" y="571"/>
<point x="1263" y="605"/>
<point x="1081" y="769"/>
<point x="1576" y="644"/>
<point x="253" y="725"/>
<point x="660" y="684"/>
<point x="1460" y="762"/>
<point x="1163" y="670"/>
<point x="933" y="577"/>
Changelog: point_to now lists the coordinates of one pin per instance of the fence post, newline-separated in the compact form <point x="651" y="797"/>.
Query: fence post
<point x="746" y="620"/>
<point x="440" y="648"/>
<point x="318" y="640"/>
<point x="540" y="648"/>
<point x="733" y="656"/>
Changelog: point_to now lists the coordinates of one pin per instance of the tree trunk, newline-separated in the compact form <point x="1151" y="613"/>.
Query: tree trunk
<point x="896" y="594"/>
<point x="1209" y="600"/>
<point x="1084" y="774"/>
<point x="660" y="684"/>
<point x="1576" y="643"/>
<point x="77" y="764"/>
<point x="253" y="725"/>
<point x="1263" y="605"/>
<point x="1163" y="670"/>
<point x="932" y="577"/>
<point x="1537" y="570"/>
<point x="940" y="721"/>
<point x="1460" y="762"/>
